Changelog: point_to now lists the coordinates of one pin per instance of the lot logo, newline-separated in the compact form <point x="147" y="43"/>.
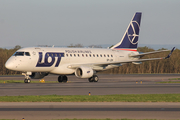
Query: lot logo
<point x="133" y="32"/>
<point x="49" y="59"/>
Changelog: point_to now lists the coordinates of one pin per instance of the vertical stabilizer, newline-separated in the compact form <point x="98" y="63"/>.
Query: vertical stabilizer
<point x="130" y="39"/>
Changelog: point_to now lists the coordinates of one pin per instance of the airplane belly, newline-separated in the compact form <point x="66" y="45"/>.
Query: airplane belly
<point x="62" y="69"/>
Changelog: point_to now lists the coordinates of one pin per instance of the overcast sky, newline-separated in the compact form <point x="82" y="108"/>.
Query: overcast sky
<point x="88" y="22"/>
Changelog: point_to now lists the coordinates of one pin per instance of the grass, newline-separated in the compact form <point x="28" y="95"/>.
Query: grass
<point x="91" y="119"/>
<point x="22" y="81"/>
<point x="95" y="98"/>
<point x="174" y="79"/>
<point x="105" y="119"/>
<point x="8" y="119"/>
<point x="169" y="82"/>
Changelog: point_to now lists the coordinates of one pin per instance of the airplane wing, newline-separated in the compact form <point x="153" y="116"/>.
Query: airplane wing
<point x="74" y="66"/>
<point x="147" y="53"/>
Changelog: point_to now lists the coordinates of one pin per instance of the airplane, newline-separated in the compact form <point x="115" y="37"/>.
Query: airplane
<point x="38" y="62"/>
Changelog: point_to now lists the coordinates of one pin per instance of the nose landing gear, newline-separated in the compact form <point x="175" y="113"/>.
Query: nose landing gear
<point x="27" y="78"/>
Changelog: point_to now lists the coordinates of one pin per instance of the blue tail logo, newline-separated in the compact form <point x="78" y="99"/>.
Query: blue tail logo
<point x="130" y="39"/>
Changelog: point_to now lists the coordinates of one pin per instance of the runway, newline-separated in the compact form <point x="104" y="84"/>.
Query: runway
<point x="108" y="84"/>
<point x="113" y="110"/>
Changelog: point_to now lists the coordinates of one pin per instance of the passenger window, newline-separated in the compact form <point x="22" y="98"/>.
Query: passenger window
<point x="97" y="55"/>
<point x="86" y="55"/>
<point x="74" y="55"/>
<point x="104" y="55"/>
<point x="78" y="55"/>
<point x="83" y="55"/>
<point x="93" y="55"/>
<point x="108" y="55"/>
<point x="67" y="55"/>
<point x="111" y="55"/>
<point x="89" y="55"/>
<point x="27" y="53"/>
<point x="101" y="55"/>
<point x="71" y="55"/>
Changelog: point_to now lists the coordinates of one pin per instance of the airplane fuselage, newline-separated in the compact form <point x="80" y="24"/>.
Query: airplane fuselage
<point x="58" y="60"/>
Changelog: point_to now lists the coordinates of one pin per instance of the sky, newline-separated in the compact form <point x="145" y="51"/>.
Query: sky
<point x="87" y="22"/>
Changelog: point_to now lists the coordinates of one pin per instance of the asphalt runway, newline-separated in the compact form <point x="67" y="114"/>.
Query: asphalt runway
<point x="108" y="84"/>
<point x="113" y="110"/>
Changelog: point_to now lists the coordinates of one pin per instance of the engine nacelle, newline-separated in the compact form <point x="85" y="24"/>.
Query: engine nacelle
<point x="84" y="72"/>
<point x="38" y="75"/>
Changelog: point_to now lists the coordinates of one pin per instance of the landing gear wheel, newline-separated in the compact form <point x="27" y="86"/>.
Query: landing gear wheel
<point x="27" y="78"/>
<point x="62" y="78"/>
<point x="90" y="79"/>
<point x="94" y="78"/>
<point x="27" y="81"/>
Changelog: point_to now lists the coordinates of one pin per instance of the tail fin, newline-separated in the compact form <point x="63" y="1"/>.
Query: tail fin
<point x="130" y="39"/>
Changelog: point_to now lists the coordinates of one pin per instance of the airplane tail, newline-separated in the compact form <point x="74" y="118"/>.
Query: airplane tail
<point x="129" y="41"/>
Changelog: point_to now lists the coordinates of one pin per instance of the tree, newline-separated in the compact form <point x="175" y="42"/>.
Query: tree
<point x="75" y="46"/>
<point x="17" y="47"/>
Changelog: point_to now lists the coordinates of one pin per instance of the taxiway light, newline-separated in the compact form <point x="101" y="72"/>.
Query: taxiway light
<point x="89" y="93"/>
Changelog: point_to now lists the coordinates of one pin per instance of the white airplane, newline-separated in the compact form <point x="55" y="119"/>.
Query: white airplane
<point x="38" y="62"/>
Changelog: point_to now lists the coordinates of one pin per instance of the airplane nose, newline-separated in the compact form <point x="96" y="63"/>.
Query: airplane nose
<point x="9" y="64"/>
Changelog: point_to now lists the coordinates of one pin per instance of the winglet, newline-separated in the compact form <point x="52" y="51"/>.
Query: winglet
<point x="170" y="53"/>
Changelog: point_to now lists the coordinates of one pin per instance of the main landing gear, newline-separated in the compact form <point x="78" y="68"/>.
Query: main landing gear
<point x="62" y="78"/>
<point x="94" y="78"/>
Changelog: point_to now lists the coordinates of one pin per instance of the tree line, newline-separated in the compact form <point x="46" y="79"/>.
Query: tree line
<point x="170" y="65"/>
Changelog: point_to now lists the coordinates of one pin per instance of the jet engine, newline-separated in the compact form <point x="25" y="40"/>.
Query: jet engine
<point x="84" y="72"/>
<point x="38" y="75"/>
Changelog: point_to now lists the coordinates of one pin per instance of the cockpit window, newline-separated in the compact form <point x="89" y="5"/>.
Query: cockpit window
<point x="27" y="54"/>
<point x="19" y="54"/>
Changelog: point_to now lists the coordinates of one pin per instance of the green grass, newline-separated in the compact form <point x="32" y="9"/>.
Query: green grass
<point x="174" y="79"/>
<point x="8" y="119"/>
<point x="95" y="98"/>
<point x="22" y="81"/>
<point x="90" y="119"/>
<point x="105" y="119"/>
<point x="169" y="82"/>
